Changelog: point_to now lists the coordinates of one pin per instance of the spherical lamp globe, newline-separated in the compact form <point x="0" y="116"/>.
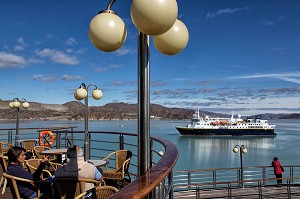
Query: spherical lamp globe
<point x="80" y="94"/>
<point x="11" y="105"/>
<point x="97" y="94"/>
<point x="16" y="104"/>
<point x="154" y="17"/>
<point x="107" y="31"/>
<point x="25" y="105"/>
<point x="235" y="150"/>
<point x="174" y="40"/>
<point x="244" y="150"/>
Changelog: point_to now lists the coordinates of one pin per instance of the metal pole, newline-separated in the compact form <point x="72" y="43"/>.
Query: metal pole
<point x="17" y="127"/>
<point x="86" y="130"/>
<point x="242" y="174"/>
<point x="143" y="104"/>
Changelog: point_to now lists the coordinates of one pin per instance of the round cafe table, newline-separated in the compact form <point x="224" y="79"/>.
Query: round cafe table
<point x="98" y="164"/>
<point x="57" y="152"/>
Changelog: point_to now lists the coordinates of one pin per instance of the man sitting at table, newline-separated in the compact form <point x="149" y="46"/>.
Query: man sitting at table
<point x="75" y="166"/>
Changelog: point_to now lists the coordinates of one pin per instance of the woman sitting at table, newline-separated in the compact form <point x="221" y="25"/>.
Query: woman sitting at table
<point x="75" y="166"/>
<point x="16" y="157"/>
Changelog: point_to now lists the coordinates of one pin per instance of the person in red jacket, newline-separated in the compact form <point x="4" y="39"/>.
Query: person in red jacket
<point x="278" y="169"/>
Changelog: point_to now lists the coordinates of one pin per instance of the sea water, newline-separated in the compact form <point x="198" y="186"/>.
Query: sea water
<point x="203" y="152"/>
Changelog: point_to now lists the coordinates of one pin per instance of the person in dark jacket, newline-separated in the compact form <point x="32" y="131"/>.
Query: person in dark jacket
<point x="277" y="171"/>
<point x="16" y="157"/>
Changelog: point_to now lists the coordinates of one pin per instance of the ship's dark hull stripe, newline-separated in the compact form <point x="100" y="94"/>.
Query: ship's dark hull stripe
<point x="232" y="132"/>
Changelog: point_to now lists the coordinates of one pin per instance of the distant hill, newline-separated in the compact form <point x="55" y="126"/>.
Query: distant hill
<point x="112" y="111"/>
<point x="74" y="110"/>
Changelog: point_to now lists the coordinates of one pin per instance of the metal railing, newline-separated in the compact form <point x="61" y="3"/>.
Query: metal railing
<point x="103" y="143"/>
<point x="223" y="182"/>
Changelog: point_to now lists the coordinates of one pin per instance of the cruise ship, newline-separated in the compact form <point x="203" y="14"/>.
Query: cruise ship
<point x="233" y="126"/>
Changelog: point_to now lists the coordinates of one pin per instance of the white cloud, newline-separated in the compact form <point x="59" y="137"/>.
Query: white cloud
<point x="101" y="69"/>
<point x="293" y="77"/>
<point x="57" y="56"/>
<point x="224" y="12"/>
<point x="71" y="41"/>
<point x="19" y="48"/>
<point x="8" y="60"/>
<point x="268" y="23"/>
<point x="71" y="78"/>
<point x="124" y="51"/>
<point x="43" y="78"/>
<point x="21" y="41"/>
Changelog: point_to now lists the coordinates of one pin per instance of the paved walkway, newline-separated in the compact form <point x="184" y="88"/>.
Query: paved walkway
<point x="242" y="193"/>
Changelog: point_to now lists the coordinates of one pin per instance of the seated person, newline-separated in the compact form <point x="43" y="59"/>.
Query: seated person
<point x="16" y="157"/>
<point x="75" y="166"/>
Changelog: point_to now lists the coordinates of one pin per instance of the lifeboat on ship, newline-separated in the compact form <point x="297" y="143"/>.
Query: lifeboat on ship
<point x="214" y="123"/>
<point x="223" y="122"/>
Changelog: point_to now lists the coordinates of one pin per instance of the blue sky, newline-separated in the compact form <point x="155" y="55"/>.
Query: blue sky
<point x="242" y="55"/>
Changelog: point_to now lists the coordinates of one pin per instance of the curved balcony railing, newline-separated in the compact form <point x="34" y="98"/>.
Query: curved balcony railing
<point x="157" y="182"/>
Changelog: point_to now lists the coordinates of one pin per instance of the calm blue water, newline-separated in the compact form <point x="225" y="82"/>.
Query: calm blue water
<point x="202" y="153"/>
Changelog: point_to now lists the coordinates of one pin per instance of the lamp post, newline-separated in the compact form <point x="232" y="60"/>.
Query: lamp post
<point x="80" y="94"/>
<point x="242" y="150"/>
<point x="16" y="103"/>
<point x="157" y="18"/>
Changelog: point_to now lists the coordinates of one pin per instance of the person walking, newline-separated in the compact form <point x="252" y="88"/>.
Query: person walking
<point x="278" y="169"/>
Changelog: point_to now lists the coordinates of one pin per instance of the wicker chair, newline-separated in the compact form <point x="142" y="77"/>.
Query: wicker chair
<point x="122" y="161"/>
<point x="32" y="165"/>
<point x="4" y="146"/>
<point x="102" y="192"/>
<point x="38" y="149"/>
<point x="12" y="183"/>
<point x="3" y="163"/>
<point x="71" y="187"/>
<point x="29" y="145"/>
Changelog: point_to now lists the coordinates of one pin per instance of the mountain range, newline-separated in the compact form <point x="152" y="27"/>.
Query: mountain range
<point x="74" y="110"/>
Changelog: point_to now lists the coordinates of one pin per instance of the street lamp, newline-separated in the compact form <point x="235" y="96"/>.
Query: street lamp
<point x="16" y="103"/>
<point x="80" y="94"/>
<point x="157" y="18"/>
<point x="242" y="150"/>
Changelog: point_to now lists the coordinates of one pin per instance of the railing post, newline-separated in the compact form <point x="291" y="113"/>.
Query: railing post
<point x="260" y="189"/>
<point x="189" y="180"/>
<point x="197" y="192"/>
<point x="288" y="186"/>
<point x="58" y="138"/>
<point x="72" y="135"/>
<point x="66" y="139"/>
<point x="215" y="178"/>
<point x="9" y="138"/>
<point x="171" y="184"/>
<point x="151" y="154"/>
<point x="264" y="176"/>
<point x="89" y="149"/>
<point x="121" y="141"/>
<point x="229" y="190"/>
<point x="158" y="192"/>
<point x="292" y="174"/>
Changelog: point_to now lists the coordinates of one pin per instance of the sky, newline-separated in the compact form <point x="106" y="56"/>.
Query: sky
<point x="242" y="56"/>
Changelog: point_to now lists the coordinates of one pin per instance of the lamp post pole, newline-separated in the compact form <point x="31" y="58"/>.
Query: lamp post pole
<point x="170" y="36"/>
<point x="80" y="94"/>
<point x="242" y="150"/>
<point x="144" y="104"/>
<point x="16" y="103"/>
